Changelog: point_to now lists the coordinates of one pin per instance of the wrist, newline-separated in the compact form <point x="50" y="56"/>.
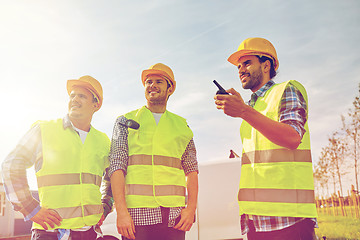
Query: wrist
<point x="246" y="111"/>
<point x="32" y="213"/>
<point x="191" y="207"/>
<point x="122" y="211"/>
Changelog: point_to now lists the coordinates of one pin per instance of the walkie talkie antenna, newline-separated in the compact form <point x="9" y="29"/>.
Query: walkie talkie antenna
<point x="221" y="89"/>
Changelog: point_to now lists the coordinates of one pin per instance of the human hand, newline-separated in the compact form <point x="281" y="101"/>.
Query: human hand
<point x="187" y="219"/>
<point x="125" y="225"/>
<point x="232" y="105"/>
<point x="47" y="216"/>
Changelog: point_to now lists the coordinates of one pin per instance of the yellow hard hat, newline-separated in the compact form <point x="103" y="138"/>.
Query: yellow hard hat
<point x="255" y="46"/>
<point x="159" y="69"/>
<point x="90" y="84"/>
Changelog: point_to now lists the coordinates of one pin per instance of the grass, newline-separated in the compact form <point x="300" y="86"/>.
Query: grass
<point x="338" y="227"/>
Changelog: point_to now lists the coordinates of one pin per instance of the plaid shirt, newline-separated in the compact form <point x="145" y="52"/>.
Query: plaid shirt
<point x="118" y="158"/>
<point x="27" y="153"/>
<point x="293" y="111"/>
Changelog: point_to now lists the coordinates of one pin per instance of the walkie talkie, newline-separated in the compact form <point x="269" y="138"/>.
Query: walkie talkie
<point x="221" y="89"/>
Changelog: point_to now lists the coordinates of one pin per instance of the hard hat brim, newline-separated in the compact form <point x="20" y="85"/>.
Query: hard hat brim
<point x="148" y="72"/>
<point x="234" y="58"/>
<point x="71" y="83"/>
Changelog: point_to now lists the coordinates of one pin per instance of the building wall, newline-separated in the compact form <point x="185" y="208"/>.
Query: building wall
<point x="11" y="222"/>
<point x="6" y="215"/>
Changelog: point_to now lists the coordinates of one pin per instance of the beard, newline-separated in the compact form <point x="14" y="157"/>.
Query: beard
<point x="159" y="100"/>
<point x="255" y="79"/>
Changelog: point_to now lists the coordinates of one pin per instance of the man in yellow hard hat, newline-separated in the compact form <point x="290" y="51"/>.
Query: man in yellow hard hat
<point x="149" y="165"/>
<point x="69" y="156"/>
<point x="276" y="193"/>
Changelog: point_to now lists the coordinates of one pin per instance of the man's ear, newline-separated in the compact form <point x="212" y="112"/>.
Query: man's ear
<point x="266" y="66"/>
<point x="96" y="106"/>
<point x="171" y="89"/>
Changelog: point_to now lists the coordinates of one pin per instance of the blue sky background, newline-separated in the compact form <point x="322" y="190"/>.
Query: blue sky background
<point x="44" y="43"/>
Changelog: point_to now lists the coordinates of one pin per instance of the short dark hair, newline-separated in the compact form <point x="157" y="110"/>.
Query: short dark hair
<point x="168" y="84"/>
<point x="272" y="69"/>
<point x="95" y="99"/>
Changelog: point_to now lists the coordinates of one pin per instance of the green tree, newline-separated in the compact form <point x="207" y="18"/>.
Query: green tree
<point x="351" y="126"/>
<point x="322" y="173"/>
<point x="334" y="155"/>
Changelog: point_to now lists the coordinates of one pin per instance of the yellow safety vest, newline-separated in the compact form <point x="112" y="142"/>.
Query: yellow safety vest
<point x="275" y="181"/>
<point x="155" y="176"/>
<point x="70" y="177"/>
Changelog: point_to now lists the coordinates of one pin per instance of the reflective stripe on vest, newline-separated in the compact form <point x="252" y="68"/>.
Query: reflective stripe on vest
<point x="68" y="179"/>
<point x="276" y="155"/>
<point x="158" y="160"/>
<point x="159" y="190"/>
<point x="275" y="181"/>
<point x="277" y="195"/>
<point x="155" y="176"/>
<point x="70" y="176"/>
<point x="75" y="212"/>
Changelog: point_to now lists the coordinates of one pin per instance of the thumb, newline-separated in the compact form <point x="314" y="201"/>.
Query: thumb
<point x="233" y="92"/>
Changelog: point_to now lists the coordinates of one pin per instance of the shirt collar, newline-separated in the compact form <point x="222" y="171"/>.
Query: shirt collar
<point x="261" y="92"/>
<point x="68" y="124"/>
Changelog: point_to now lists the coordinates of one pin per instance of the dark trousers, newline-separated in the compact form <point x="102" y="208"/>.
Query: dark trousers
<point x="38" y="234"/>
<point x="159" y="231"/>
<point x="303" y="230"/>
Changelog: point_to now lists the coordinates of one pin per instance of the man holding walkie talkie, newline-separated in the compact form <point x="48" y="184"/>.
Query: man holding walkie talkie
<point x="276" y="193"/>
<point x="152" y="151"/>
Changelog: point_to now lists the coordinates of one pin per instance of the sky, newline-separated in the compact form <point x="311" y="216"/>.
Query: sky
<point x="44" y="43"/>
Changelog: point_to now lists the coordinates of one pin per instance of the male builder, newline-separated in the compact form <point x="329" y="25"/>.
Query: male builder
<point x="149" y="166"/>
<point x="69" y="157"/>
<point x="276" y="195"/>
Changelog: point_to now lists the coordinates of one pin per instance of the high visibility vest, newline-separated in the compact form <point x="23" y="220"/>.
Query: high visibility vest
<point x="275" y="181"/>
<point x="70" y="177"/>
<point x="155" y="176"/>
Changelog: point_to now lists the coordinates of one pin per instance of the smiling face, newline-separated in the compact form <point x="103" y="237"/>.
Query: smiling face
<point x="157" y="90"/>
<point x="81" y="104"/>
<point x="251" y="72"/>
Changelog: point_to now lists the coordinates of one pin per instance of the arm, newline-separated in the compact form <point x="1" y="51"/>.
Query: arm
<point x="278" y="132"/>
<point x="26" y="154"/>
<point x="193" y="189"/>
<point x="106" y="196"/>
<point x="105" y="188"/>
<point x="118" y="158"/>
<point x="188" y="213"/>
<point x="190" y="167"/>
<point x="124" y="222"/>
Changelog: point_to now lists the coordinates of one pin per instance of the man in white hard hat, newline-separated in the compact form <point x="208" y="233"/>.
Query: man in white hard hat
<point x="69" y="156"/>
<point x="149" y="165"/>
<point x="276" y="193"/>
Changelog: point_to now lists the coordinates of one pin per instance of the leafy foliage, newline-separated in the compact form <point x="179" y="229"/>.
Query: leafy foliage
<point x="342" y="150"/>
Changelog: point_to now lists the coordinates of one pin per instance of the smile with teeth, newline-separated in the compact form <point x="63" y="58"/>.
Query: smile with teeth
<point x="75" y="106"/>
<point x="153" y="91"/>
